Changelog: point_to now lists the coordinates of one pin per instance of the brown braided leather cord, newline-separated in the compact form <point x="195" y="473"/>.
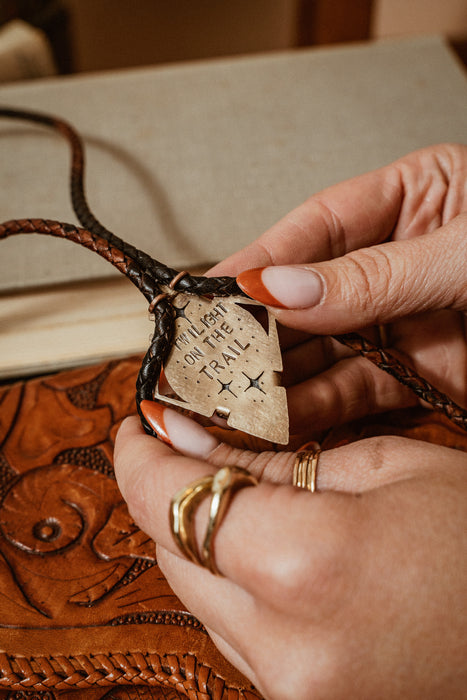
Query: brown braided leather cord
<point x="132" y="266"/>
<point x="150" y="275"/>
<point x="405" y="375"/>
<point x="144" y="271"/>
<point x="183" y="673"/>
<point x="221" y="286"/>
<point x="116" y="256"/>
<point x="163" y="318"/>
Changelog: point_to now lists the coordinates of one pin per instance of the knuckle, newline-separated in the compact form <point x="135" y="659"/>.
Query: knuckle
<point x="368" y="276"/>
<point x="348" y="393"/>
<point x="269" y="465"/>
<point x="308" y="579"/>
<point x="380" y="449"/>
<point x="289" y="576"/>
<point x="332" y="226"/>
<point x="329" y="390"/>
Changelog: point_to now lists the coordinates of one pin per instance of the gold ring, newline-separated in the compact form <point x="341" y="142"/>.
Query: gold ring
<point x="305" y="468"/>
<point x="182" y="509"/>
<point x="221" y="486"/>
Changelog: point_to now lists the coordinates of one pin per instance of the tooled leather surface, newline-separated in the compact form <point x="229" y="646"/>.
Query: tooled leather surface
<point x="160" y="693"/>
<point x="71" y="557"/>
<point x="72" y="561"/>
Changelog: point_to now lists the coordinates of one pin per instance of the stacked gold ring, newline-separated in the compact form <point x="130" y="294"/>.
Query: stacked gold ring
<point x="221" y="487"/>
<point x="306" y="467"/>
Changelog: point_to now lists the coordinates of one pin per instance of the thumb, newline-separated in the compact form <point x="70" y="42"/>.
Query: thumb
<point x="189" y="438"/>
<point x="369" y="285"/>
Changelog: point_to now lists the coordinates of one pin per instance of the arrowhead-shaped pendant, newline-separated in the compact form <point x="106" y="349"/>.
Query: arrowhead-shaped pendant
<point x="224" y="361"/>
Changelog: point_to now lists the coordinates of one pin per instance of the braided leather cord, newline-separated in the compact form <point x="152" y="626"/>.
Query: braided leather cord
<point x="183" y="673"/>
<point x="116" y="256"/>
<point x="221" y="286"/>
<point x="146" y="273"/>
<point x="150" y="276"/>
<point x="155" y="357"/>
<point x="405" y="375"/>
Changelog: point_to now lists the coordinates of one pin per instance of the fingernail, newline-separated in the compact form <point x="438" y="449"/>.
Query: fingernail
<point x="178" y="431"/>
<point x="282" y="286"/>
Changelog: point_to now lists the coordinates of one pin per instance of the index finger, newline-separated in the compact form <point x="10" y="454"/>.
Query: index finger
<point x="250" y="536"/>
<point x="404" y="199"/>
<point x="267" y="528"/>
<point x="353" y="214"/>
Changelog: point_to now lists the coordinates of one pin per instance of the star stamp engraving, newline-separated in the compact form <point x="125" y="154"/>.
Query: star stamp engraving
<point x="224" y="360"/>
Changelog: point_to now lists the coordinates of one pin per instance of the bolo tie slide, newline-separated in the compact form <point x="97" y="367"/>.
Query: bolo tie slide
<point x="218" y="349"/>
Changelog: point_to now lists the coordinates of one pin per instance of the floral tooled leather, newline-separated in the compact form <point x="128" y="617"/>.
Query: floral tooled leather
<point x="85" y="611"/>
<point x="83" y="604"/>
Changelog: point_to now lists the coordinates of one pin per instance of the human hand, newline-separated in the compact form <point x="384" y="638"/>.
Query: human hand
<point x="388" y="247"/>
<point x="356" y="592"/>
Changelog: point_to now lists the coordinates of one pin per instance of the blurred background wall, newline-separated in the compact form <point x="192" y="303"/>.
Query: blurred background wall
<point x="93" y="35"/>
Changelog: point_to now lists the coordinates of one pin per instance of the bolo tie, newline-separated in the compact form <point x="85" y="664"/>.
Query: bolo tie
<point x="214" y="350"/>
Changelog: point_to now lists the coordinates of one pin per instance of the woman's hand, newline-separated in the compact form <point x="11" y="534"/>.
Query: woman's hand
<point x="389" y="247"/>
<point x="356" y="592"/>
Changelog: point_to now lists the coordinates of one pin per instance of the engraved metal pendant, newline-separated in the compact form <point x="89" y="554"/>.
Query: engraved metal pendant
<point x="227" y="361"/>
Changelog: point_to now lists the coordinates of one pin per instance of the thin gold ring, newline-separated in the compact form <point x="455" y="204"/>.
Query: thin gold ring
<point x="182" y="510"/>
<point x="225" y="483"/>
<point x="221" y="486"/>
<point x="305" y="469"/>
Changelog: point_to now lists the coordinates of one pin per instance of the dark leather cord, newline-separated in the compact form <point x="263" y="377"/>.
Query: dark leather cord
<point x="146" y="273"/>
<point x="405" y="375"/>
<point x="153" y="277"/>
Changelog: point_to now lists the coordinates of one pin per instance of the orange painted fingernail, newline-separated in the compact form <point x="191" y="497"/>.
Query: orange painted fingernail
<point x="178" y="431"/>
<point x="251" y="282"/>
<point x="154" y="414"/>
<point x="283" y="286"/>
